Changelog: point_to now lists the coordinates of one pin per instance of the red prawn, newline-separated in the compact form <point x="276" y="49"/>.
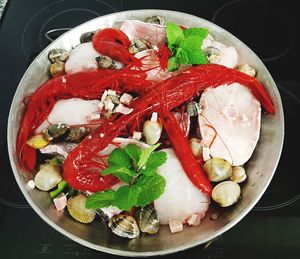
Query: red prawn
<point x="79" y="167"/>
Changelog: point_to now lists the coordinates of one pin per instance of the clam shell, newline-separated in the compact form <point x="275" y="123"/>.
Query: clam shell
<point x="238" y="174"/>
<point x="155" y="19"/>
<point x="226" y="193"/>
<point x="152" y="131"/>
<point x="147" y="219"/>
<point x="57" y="68"/>
<point x="217" y="169"/>
<point x="77" y="209"/>
<point x="55" y="131"/>
<point x="58" y="55"/>
<point x="124" y="226"/>
<point x="76" y="134"/>
<point x="48" y="177"/>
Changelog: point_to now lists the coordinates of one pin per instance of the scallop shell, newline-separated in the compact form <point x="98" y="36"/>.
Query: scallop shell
<point x="77" y="209"/>
<point x="124" y="226"/>
<point x="147" y="219"/>
<point x="47" y="177"/>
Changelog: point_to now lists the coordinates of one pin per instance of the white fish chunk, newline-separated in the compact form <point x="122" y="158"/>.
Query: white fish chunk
<point x="62" y="149"/>
<point x="134" y="29"/>
<point x="231" y="115"/>
<point x="82" y="58"/>
<point x="74" y="111"/>
<point x="229" y="55"/>
<point x="181" y="198"/>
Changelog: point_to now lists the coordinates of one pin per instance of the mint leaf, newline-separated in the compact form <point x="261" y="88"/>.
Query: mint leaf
<point x="156" y="159"/>
<point x="100" y="199"/>
<point x="123" y="173"/>
<point x="147" y="171"/>
<point x="133" y="151"/>
<point x="192" y="47"/>
<point x="151" y="188"/>
<point x="201" y="32"/>
<point x="118" y="157"/>
<point x="182" y="56"/>
<point x="126" y="197"/>
<point x="145" y="154"/>
<point x="173" y="64"/>
<point x="174" y="35"/>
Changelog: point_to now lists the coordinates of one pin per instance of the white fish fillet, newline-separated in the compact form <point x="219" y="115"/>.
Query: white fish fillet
<point x="235" y="115"/>
<point x="82" y="58"/>
<point x="135" y="29"/>
<point x="181" y="199"/>
<point x="74" y="111"/>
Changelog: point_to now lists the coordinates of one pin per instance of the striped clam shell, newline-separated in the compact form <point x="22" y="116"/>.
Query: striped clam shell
<point x="124" y="226"/>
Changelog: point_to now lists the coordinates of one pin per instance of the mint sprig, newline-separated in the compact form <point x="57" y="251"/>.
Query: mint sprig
<point x="185" y="46"/>
<point x="138" y="169"/>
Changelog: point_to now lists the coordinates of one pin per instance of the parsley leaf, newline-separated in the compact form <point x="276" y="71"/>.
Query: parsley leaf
<point x="151" y="188"/>
<point x="121" y="172"/>
<point x="119" y="157"/>
<point x="126" y="197"/>
<point x="100" y="199"/>
<point x="133" y="151"/>
<point x="145" y="154"/>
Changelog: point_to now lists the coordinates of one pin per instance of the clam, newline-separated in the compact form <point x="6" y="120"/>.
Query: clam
<point x="212" y="54"/>
<point x="77" y="209"/>
<point x="37" y="141"/>
<point x="155" y="19"/>
<point x="193" y="108"/>
<point x="76" y="134"/>
<point x="105" y="62"/>
<point x="152" y="131"/>
<point x="55" y="131"/>
<point x="87" y="36"/>
<point x="47" y="177"/>
<point x="57" y="68"/>
<point x="147" y="219"/>
<point x="217" y="169"/>
<point x="247" y="69"/>
<point x="58" y="55"/>
<point x="138" y="45"/>
<point x="226" y="193"/>
<point x="124" y="226"/>
<point x="238" y="174"/>
<point x="196" y="147"/>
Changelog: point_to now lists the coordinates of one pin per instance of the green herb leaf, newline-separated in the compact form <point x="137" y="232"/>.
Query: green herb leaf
<point x="126" y="197"/>
<point x="151" y="188"/>
<point x="100" y="199"/>
<point x="182" y="56"/>
<point x="192" y="47"/>
<point x="156" y="159"/>
<point x="123" y="173"/>
<point x="60" y="188"/>
<point x="145" y="154"/>
<point x="174" y="35"/>
<point x="173" y="64"/>
<point x="201" y="32"/>
<point x="118" y="157"/>
<point x="133" y="151"/>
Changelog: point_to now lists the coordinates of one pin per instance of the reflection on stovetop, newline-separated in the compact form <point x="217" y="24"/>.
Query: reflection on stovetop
<point x="266" y="27"/>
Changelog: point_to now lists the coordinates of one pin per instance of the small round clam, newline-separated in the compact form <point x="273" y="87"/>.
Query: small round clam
<point x="212" y="54"/>
<point x="138" y="45"/>
<point x="152" y="131"/>
<point x="77" y="209"/>
<point x="193" y="108"/>
<point x="48" y="177"/>
<point x="87" y="36"/>
<point x="147" y="219"/>
<point x="76" y="134"/>
<point x="238" y="174"/>
<point x="58" y="55"/>
<point x="247" y="69"/>
<point x="105" y="62"/>
<point x="196" y="147"/>
<point x="57" y="68"/>
<point x="217" y="169"/>
<point x="226" y="193"/>
<point x="55" y="131"/>
<point x="155" y="19"/>
<point x="124" y="226"/>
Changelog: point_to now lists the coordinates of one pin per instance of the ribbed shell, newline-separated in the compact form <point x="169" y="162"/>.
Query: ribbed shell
<point x="124" y="226"/>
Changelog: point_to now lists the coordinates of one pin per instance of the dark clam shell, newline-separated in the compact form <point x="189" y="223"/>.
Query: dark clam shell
<point x="147" y="219"/>
<point x="124" y="225"/>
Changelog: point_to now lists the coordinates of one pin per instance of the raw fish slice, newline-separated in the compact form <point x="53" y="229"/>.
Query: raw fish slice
<point x="181" y="198"/>
<point x="230" y="122"/>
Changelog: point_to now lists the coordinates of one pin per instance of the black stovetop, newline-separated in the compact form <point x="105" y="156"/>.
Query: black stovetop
<point x="270" y="230"/>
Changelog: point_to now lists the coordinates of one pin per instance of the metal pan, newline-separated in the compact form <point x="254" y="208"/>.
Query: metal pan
<point x="97" y="235"/>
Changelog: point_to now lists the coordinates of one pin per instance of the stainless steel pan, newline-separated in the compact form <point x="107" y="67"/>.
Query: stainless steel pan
<point x="97" y="235"/>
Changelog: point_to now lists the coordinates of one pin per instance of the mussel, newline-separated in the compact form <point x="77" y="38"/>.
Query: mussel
<point x="58" y="55"/>
<point x="105" y="62"/>
<point x="238" y="174"/>
<point x="124" y="225"/>
<point x="48" y="177"/>
<point x="217" y="169"/>
<point x="77" y="209"/>
<point x="212" y="54"/>
<point x="226" y="193"/>
<point x="247" y="69"/>
<point x="55" y="131"/>
<point x="155" y="19"/>
<point x="87" y="36"/>
<point x="76" y="134"/>
<point x="138" y="45"/>
<point x="147" y="219"/>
